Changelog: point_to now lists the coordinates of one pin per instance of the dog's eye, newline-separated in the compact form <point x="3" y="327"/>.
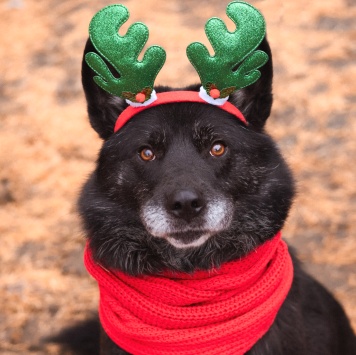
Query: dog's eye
<point x="147" y="154"/>
<point x="217" y="150"/>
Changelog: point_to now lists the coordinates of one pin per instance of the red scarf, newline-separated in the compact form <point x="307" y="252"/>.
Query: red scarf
<point x="223" y="311"/>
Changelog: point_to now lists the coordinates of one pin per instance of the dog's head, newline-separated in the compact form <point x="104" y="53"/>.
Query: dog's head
<point x="183" y="186"/>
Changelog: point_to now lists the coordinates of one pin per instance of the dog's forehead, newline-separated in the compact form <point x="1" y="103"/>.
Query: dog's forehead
<point x="176" y="118"/>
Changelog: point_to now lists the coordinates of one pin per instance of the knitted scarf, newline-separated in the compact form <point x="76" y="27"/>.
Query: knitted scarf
<point x="221" y="311"/>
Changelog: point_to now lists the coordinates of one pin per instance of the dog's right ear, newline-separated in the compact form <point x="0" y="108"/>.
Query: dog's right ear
<point x="255" y="101"/>
<point x="103" y="108"/>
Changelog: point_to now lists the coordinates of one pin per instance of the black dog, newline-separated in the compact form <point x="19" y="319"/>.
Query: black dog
<point x="215" y="189"/>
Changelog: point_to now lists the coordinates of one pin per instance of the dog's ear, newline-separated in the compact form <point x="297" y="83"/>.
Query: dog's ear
<point x="103" y="108"/>
<point x="255" y="101"/>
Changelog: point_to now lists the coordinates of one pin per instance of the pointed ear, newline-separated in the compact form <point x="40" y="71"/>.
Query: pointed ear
<point x="255" y="101"/>
<point x="103" y="108"/>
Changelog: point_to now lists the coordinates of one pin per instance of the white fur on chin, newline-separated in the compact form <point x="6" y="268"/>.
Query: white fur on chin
<point x="196" y="243"/>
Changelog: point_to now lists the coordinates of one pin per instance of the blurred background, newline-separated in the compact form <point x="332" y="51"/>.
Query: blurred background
<point x="47" y="147"/>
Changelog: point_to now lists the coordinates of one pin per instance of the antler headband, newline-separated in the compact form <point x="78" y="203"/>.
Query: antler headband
<point x="233" y="66"/>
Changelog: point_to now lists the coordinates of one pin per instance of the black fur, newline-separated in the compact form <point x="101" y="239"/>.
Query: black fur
<point x="251" y="177"/>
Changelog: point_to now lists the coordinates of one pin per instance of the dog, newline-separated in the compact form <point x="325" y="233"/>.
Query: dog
<point x="187" y="187"/>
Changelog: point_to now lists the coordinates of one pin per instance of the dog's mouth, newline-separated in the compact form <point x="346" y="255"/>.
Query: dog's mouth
<point x="188" y="239"/>
<point x="181" y="234"/>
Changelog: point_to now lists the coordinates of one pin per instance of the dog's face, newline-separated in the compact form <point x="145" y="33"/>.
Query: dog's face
<point x="183" y="186"/>
<point x="179" y="162"/>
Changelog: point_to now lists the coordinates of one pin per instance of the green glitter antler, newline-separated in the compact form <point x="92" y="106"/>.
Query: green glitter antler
<point x="236" y="49"/>
<point x="136" y="78"/>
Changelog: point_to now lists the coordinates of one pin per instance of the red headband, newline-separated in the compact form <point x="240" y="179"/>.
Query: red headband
<point x="172" y="97"/>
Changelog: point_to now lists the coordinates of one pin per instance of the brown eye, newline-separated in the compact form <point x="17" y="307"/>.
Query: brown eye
<point x="217" y="150"/>
<point x="147" y="154"/>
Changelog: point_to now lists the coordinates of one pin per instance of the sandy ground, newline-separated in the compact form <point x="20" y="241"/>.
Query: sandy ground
<point x="48" y="148"/>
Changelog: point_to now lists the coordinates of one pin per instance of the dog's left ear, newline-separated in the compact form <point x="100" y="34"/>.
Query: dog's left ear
<point x="103" y="108"/>
<point x="255" y="101"/>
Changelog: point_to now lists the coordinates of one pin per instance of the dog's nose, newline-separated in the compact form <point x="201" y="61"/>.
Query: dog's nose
<point x="185" y="204"/>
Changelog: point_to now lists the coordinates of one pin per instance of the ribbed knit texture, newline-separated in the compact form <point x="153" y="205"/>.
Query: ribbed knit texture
<point x="223" y="311"/>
